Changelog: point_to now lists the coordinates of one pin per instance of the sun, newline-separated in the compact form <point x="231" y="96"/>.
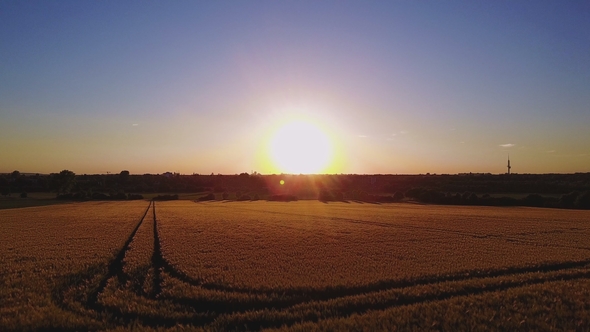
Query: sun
<point x="300" y="147"/>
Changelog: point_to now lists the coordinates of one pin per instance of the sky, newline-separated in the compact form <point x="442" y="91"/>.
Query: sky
<point x="400" y="87"/>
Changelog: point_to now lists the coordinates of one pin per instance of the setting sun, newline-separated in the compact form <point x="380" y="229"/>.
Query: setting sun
<point x="300" y="147"/>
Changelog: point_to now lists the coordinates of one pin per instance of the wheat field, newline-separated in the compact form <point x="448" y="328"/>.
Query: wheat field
<point x="306" y="265"/>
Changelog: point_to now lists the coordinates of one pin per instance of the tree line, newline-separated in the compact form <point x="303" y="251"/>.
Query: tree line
<point x="551" y="190"/>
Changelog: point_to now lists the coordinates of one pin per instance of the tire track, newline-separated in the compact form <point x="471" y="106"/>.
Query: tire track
<point x="157" y="259"/>
<point x="284" y="302"/>
<point x="289" y="317"/>
<point x="115" y="268"/>
<point x="337" y="291"/>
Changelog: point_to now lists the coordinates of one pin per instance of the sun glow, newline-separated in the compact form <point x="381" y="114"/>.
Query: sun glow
<point x="300" y="147"/>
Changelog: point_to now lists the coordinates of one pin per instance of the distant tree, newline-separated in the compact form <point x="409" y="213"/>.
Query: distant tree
<point x="123" y="177"/>
<point x="398" y="196"/>
<point x="3" y="181"/>
<point x="466" y="195"/>
<point x="208" y="197"/>
<point x="65" y="180"/>
<point x="118" y="196"/>
<point x="244" y="198"/>
<point x="15" y="174"/>
<point x="583" y="200"/>
<point x="134" y="196"/>
<point x="325" y="196"/>
<point x="568" y="200"/>
<point x="534" y="200"/>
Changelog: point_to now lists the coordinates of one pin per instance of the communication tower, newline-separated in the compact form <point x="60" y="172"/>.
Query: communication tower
<point x="509" y="167"/>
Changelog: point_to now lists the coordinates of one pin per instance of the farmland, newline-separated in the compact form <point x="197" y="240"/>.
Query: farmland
<point x="299" y="266"/>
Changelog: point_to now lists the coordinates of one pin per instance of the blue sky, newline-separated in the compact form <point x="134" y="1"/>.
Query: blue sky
<point x="400" y="86"/>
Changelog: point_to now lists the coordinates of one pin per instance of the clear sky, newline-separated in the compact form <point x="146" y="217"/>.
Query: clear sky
<point x="201" y="87"/>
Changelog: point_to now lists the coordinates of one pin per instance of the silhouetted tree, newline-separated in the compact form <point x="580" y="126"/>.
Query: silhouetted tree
<point x="398" y="196"/>
<point x="209" y="197"/>
<point x="583" y="200"/>
<point x="244" y="198"/>
<point x="534" y="200"/>
<point x="124" y="177"/>
<point x="66" y="180"/>
<point x="567" y="200"/>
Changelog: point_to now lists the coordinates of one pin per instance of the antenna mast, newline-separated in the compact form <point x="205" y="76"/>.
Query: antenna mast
<point x="509" y="167"/>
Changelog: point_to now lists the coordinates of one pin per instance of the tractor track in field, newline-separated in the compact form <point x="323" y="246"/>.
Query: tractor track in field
<point x="158" y="262"/>
<point x="115" y="268"/>
<point x="197" y="312"/>
<point x="402" y="301"/>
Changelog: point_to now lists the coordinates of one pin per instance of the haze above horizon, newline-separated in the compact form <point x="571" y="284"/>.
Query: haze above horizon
<point x="318" y="87"/>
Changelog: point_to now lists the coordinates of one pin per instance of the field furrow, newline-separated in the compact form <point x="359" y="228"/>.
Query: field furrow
<point x="115" y="268"/>
<point x="276" y="316"/>
<point x="138" y="259"/>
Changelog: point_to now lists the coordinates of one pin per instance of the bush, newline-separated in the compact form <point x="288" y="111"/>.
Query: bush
<point x="414" y="192"/>
<point x="534" y="200"/>
<point x="134" y="196"/>
<point x="209" y="197"/>
<point x="383" y="199"/>
<point x="568" y="200"/>
<point x="99" y="196"/>
<point x="326" y="196"/>
<point x="398" y="196"/>
<point x="79" y="196"/>
<point x="118" y="196"/>
<point x="244" y="198"/>
<point x="583" y="201"/>
<point x="282" y="198"/>
<point x="504" y="201"/>
<point x="166" y="197"/>
<point x="23" y="195"/>
<point x="225" y="196"/>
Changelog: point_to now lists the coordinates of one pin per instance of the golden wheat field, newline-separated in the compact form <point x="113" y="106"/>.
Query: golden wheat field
<point x="305" y="265"/>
